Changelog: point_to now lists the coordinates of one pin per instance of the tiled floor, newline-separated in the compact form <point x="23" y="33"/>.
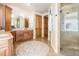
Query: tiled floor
<point x="45" y="40"/>
<point x="70" y="47"/>
<point x="69" y="43"/>
<point x="70" y="52"/>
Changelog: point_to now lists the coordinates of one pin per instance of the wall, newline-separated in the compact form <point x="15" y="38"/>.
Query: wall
<point x="55" y="33"/>
<point x="18" y="11"/>
<point x="25" y="13"/>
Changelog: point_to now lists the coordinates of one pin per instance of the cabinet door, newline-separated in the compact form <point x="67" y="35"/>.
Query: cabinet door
<point x="7" y="18"/>
<point x="4" y="51"/>
<point x="2" y="16"/>
<point x="19" y="35"/>
<point x="10" y="47"/>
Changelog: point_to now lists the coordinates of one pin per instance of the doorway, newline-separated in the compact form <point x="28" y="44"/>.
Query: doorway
<point x="46" y="26"/>
<point x="38" y="26"/>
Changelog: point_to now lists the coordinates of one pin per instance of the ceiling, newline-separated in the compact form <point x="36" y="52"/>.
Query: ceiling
<point x="38" y="7"/>
<point x="41" y="7"/>
<point x="69" y="4"/>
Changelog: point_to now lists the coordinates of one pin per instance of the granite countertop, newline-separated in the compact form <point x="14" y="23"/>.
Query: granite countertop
<point x="24" y="29"/>
<point x="5" y="35"/>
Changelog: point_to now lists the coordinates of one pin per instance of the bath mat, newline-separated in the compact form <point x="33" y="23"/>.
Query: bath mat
<point x="32" y="48"/>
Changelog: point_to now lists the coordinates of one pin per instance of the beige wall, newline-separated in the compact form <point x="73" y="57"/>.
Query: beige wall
<point x="22" y="12"/>
<point x="55" y="38"/>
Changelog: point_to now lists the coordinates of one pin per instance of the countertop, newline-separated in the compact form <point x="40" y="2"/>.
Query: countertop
<point x="23" y="29"/>
<point x="5" y="35"/>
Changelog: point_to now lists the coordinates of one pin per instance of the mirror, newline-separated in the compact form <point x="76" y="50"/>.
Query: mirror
<point x="19" y="21"/>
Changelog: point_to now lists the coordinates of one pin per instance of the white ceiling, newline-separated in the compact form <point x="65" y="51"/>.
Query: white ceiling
<point x="41" y="7"/>
<point x="69" y="4"/>
<point x="38" y="7"/>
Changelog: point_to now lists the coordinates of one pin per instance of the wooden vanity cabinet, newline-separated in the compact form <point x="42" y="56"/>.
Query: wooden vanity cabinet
<point x="4" y="51"/>
<point x="28" y="35"/>
<point x="6" y="47"/>
<point x="19" y="35"/>
<point x="22" y="35"/>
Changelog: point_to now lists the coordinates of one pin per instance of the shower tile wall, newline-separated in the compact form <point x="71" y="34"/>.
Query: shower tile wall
<point x="69" y="40"/>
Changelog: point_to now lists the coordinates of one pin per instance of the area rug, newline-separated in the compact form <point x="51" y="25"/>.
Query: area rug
<point x="32" y="48"/>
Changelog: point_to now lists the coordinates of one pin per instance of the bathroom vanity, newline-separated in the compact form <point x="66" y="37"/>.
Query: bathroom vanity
<point x="22" y="34"/>
<point x="6" y="44"/>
